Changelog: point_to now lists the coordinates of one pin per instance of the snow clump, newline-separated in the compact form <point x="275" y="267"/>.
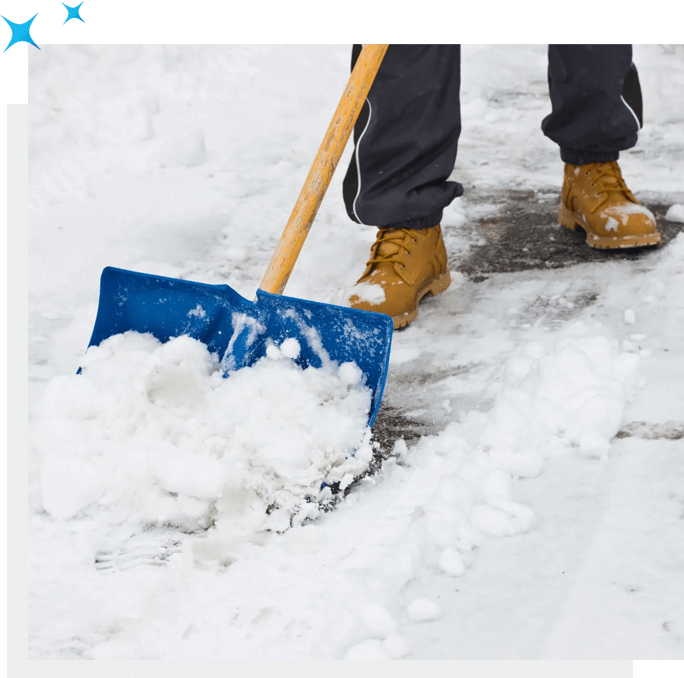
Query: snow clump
<point x="153" y="433"/>
<point x="675" y="213"/>
<point x="423" y="609"/>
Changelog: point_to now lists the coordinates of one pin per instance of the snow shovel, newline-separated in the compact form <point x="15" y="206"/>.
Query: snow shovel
<point x="239" y="330"/>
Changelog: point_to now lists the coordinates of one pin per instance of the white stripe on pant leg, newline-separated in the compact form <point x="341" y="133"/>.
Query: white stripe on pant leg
<point x="636" y="118"/>
<point x="358" y="165"/>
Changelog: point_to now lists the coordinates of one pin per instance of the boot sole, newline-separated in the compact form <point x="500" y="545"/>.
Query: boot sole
<point x="571" y="221"/>
<point x="433" y="288"/>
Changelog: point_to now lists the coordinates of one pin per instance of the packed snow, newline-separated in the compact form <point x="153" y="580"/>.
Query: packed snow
<point x="170" y="507"/>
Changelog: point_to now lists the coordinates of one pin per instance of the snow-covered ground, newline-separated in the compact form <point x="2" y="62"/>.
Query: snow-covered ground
<point x="540" y="519"/>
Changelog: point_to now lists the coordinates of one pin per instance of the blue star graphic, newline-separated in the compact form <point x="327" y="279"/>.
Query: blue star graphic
<point x="73" y="13"/>
<point x="20" y="32"/>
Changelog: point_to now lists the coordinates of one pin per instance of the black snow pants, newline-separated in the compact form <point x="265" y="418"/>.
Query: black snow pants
<point x="406" y="138"/>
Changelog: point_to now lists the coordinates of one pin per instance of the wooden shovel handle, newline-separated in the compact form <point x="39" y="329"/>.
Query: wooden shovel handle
<point x="322" y="169"/>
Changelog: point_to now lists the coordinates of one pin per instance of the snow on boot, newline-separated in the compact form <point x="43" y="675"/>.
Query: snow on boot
<point x="405" y="265"/>
<point x="596" y="198"/>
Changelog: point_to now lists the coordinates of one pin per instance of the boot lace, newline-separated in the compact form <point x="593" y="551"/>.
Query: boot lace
<point x="607" y="171"/>
<point x="396" y="237"/>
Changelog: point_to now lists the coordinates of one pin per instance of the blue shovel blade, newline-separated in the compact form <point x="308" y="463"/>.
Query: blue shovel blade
<point x="239" y="330"/>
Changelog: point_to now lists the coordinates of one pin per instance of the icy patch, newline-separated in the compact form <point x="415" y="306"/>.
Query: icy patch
<point x="153" y="435"/>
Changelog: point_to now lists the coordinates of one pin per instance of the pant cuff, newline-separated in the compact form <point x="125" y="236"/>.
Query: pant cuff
<point x="585" y="157"/>
<point x="419" y="223"/>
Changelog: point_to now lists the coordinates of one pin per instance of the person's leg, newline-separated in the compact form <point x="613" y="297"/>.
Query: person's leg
<point x="596" y="113"/>
<point x="405" y="144"/>
<point x="590" y="119"/>
<point x="406" y="139"/>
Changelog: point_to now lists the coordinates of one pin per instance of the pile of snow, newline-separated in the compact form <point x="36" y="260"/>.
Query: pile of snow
<point x="155" y="434"/>
<point x="572" y="393"/>
<point x="152" y="435"/>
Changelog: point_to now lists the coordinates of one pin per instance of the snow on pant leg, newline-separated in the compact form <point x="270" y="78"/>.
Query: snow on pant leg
<point x="406" y="139"/>
<point x="596" y="102"/>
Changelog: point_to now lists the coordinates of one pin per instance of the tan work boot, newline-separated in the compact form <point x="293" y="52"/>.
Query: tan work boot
<point x="596" y="198"/>
<point x="405" y="265"/>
